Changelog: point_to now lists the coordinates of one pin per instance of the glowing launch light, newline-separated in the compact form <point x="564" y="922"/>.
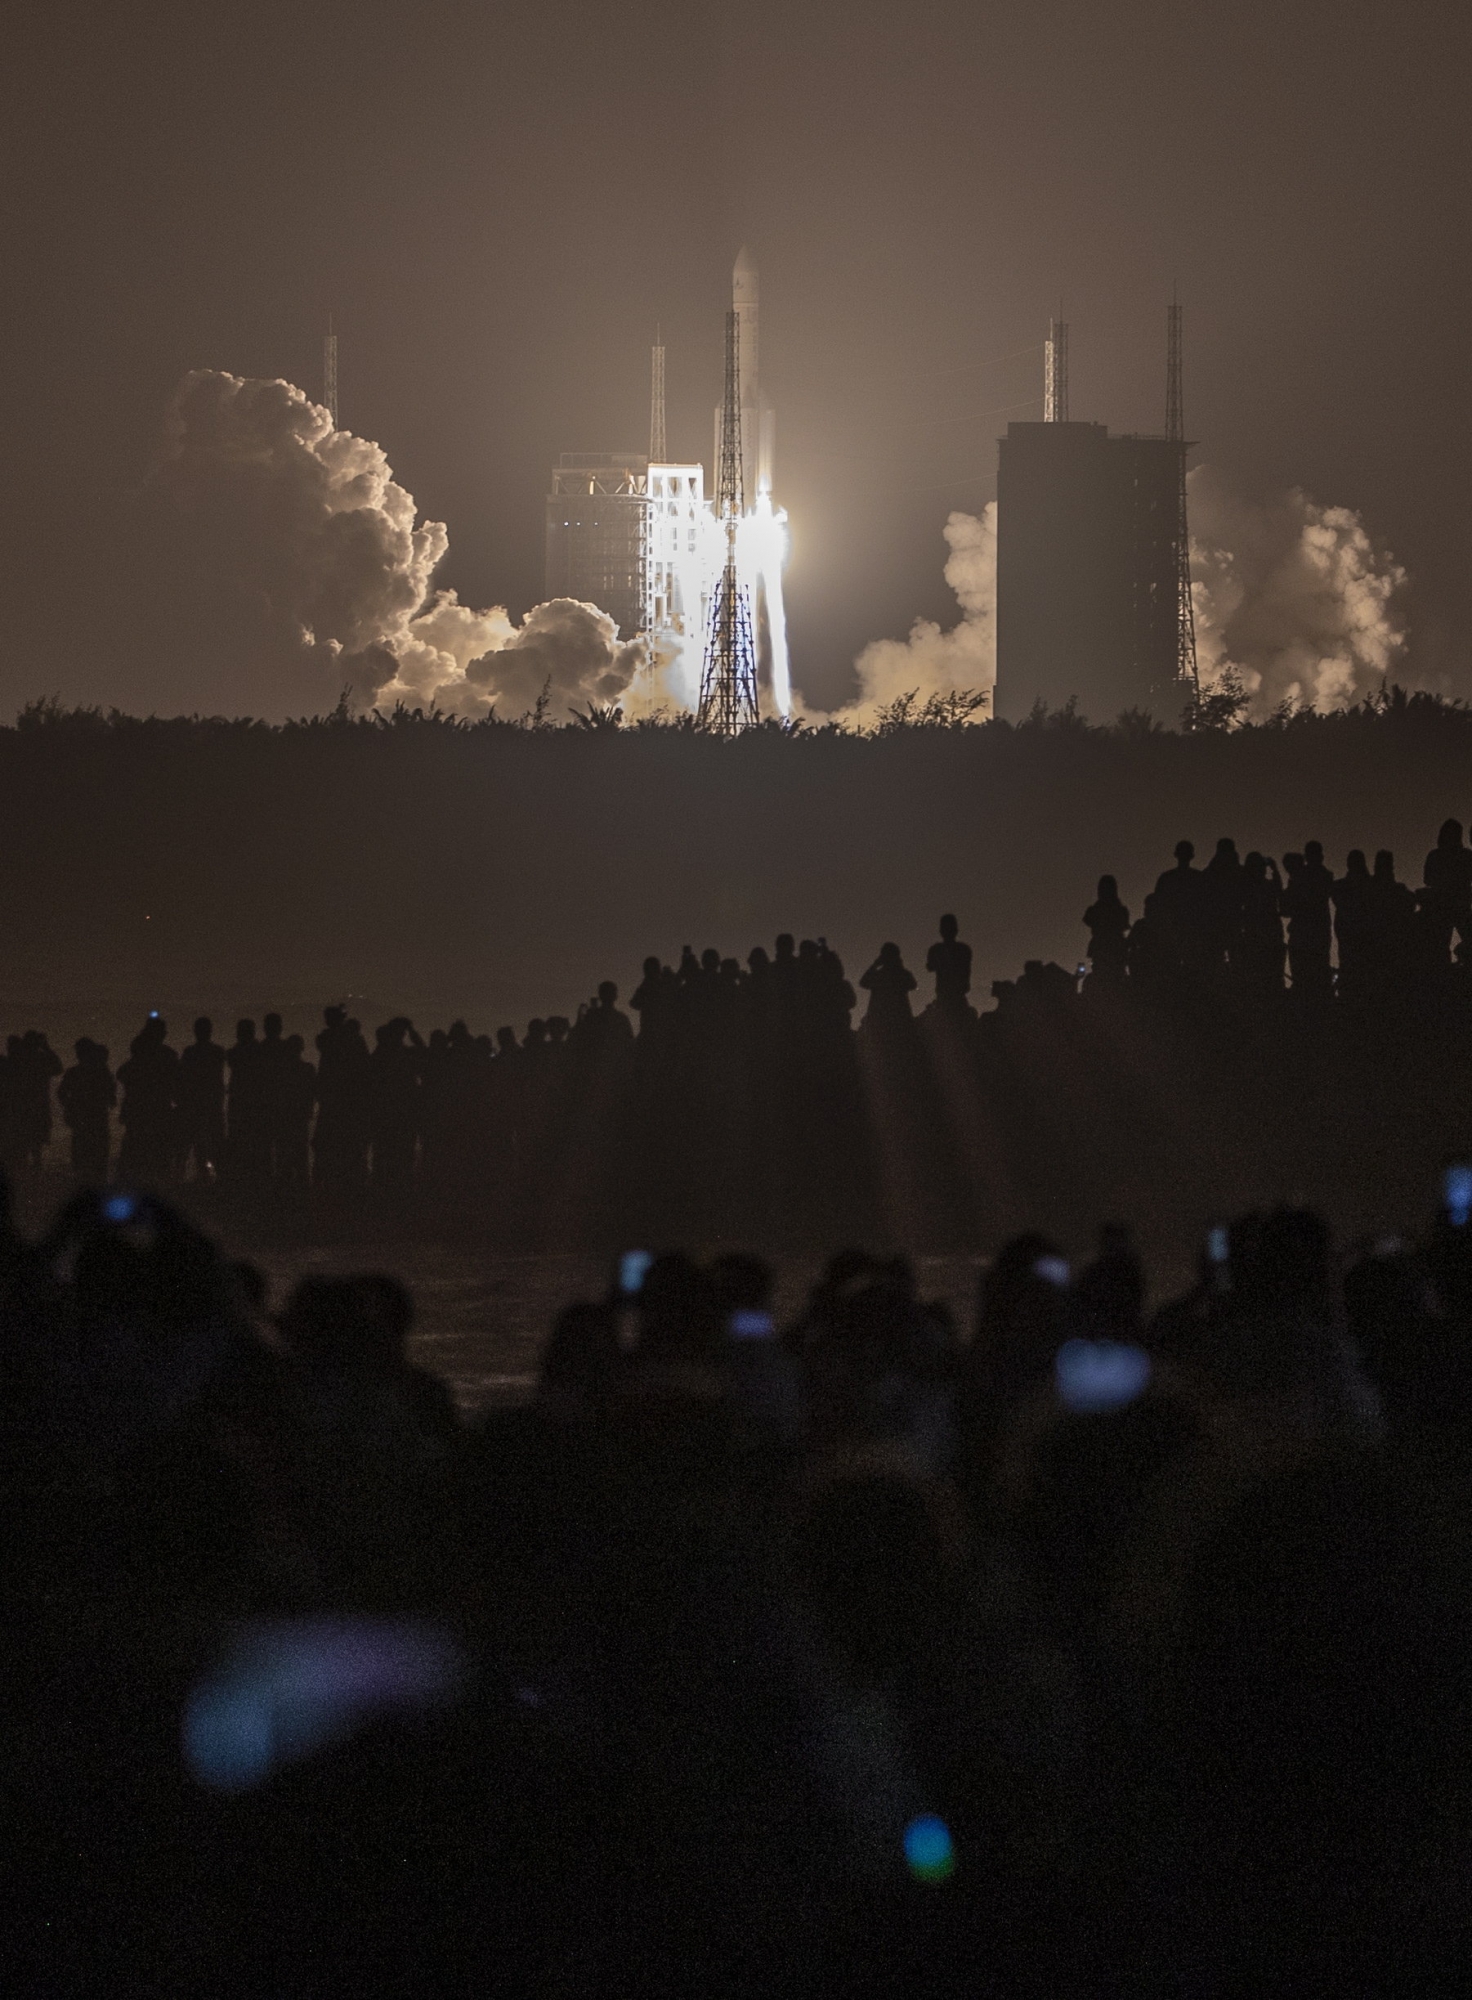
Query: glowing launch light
<point x="929" y="1850"/>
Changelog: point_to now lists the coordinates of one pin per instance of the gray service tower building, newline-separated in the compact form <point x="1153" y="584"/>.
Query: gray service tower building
<point x="1093" y="591"/>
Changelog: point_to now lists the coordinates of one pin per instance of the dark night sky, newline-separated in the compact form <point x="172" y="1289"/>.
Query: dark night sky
<point x="497" y="203"/>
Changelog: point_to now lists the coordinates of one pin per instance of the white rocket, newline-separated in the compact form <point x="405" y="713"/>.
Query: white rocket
<point x="757" y="418"/>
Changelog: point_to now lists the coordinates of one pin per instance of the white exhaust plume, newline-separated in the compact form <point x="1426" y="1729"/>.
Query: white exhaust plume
<point x="932" y="661"/>
<point x="306" y="571"/>
<point x="1292" y="597"/>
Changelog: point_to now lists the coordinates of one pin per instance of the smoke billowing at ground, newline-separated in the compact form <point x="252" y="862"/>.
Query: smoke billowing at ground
<point x="286" y="556"/>
<point x="933" y="661"/>
<point x="289" y="557"/>
<point x="1292" y="596"/>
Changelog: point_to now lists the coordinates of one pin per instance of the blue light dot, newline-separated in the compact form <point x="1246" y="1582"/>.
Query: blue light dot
<point x="928" y="1848"/>
<point x="119" y="1208"/>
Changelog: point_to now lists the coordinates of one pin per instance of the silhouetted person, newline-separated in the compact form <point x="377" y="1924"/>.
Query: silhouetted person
<point x="834" y="997"/>
<point x="248" y="1129"/>
<point x="1222" y="904"/>
<point x="202" y="1103"/>
<point x="1353" y="924"/>
<point x="297" y="1099"/>
<point x="602" y="1027"/>
<point x="340" y="1142"/>
<point x="87" y="1094"/>
<point x="889" y="984"/>
<point x="1307" y="889"/>
<point x="274" y="1065"/>
<point x="1393" y="927"/>
<point x="150" y="1080"/>
<point x="1446" y="900"/>
<point x="1107" y="921"/>
<point x="1147" y="957"/>
<point x="1111" y="1291"/>
<point x="949" y="963"/>
<point x="1182" y="914"/>
<point x="1261" y="954"/>
<point x="394" y="1104"/>
<point x="656" y="1001"/>
<point x="34" y="1065"/>
<point x="785" y="984"/>
<point x="12" y="1086"/>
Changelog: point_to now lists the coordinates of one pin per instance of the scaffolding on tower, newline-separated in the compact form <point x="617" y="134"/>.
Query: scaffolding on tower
<point x="657" y="452"/>
<point x="1055" y="372"/>
<point x="329" y="373"/>
<point x="728" y="694"/>
<point x="1175" y="430"/>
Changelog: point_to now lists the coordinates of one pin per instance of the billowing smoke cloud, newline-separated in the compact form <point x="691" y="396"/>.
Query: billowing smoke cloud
<point x="1293" y="596"/>
<point x="297" y="566"/>
<point x="469" y="662"/>
<point x="932" y="661"/>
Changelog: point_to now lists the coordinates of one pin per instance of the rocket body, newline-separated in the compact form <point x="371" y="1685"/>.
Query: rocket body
<point x="756" y="439"/>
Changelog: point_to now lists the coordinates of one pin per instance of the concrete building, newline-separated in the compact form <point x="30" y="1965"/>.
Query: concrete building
<point x="598" y="534"/>
<point x="1088" y="571"/>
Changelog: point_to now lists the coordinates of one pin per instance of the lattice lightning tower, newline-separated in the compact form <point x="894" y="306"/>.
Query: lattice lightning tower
<point x="656" y="402"/>
<point x="728" y="699"/>
<point x="1175" y="429"/>
<point x="1055" y="374"/>
<point x="329" y="373"/>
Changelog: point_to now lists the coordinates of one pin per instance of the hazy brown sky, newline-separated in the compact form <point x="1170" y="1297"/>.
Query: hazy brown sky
<point x="497" y="203"/>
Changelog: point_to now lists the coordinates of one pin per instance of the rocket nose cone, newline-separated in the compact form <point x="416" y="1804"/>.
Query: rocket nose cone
<point x="743" y="274"/>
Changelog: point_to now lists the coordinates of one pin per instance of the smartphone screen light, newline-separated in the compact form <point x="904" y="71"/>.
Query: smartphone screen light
<point x="633" y="1269"/>
<point x="1093" y="1376"/>
<point x="930" y="1852"/>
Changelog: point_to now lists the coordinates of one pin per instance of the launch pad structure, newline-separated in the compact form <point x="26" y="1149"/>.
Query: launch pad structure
<point x="598" y="534"/>
<point x="1175" y="430"/>
<point x="696" y="571"/>
<point x="1093" y="559"/>
<point x="728" y="687"/>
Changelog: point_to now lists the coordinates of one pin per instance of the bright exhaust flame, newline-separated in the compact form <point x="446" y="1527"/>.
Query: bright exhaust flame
<point x="762" y="554"/>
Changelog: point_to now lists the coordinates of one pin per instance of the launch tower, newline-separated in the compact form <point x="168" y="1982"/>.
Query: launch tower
<point x="1093" y="565"/>
<point x="1055" y="373"/>
<point x="329" y="373"/>
<point x="728" y="696"/>
<point x="1175" y="430"/>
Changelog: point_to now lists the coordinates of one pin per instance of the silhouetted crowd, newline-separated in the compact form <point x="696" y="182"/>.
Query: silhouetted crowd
<point x="746" y="1104"/>
<point x="1085" y="1649"/>
<point x="1240" y="922"/>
